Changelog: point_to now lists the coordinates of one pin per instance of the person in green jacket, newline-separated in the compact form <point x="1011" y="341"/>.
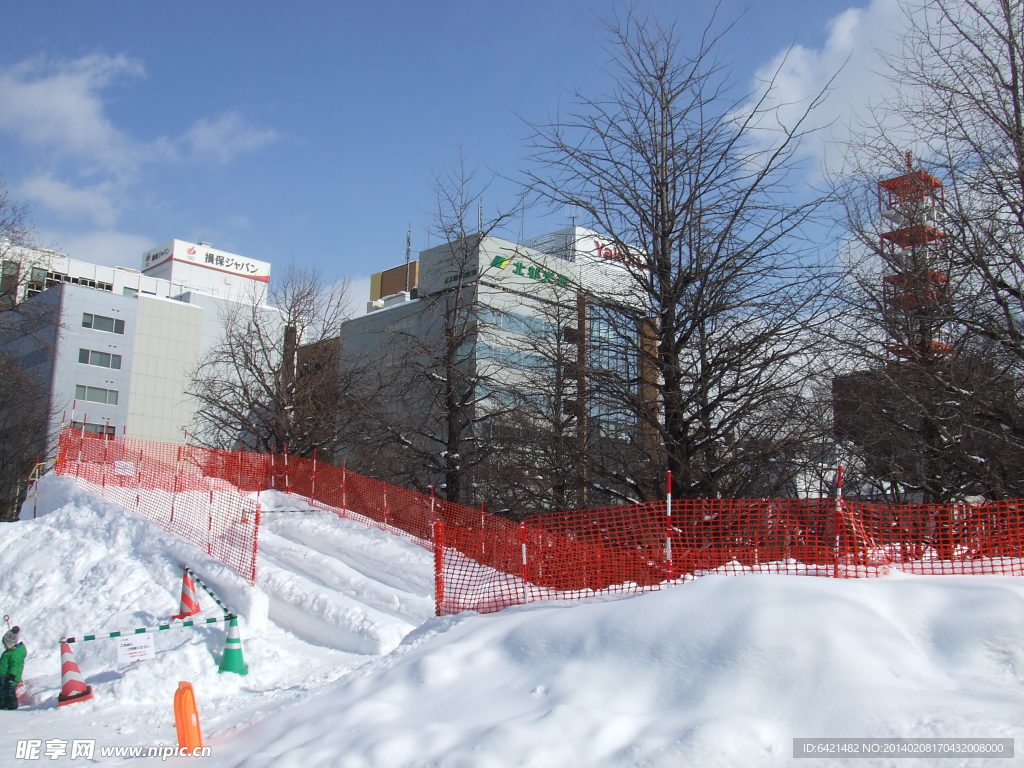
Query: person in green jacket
<point x="12" y="663"/>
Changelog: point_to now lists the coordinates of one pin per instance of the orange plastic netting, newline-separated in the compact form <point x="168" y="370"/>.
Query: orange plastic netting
<point x="485" y="563"/>
<point x="204" y="496"/>
<point x="568" y="555"/>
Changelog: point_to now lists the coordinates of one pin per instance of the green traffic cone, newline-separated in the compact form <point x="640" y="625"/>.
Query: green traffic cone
<point x="232" y="660"/>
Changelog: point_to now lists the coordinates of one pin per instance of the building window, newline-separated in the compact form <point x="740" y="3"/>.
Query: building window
<point x="127" y="291"/>
<point x="9" y="284"/>
<point x="36" y="281"/>
<point x="94" y="429"/>
<point x="510" y="357"/>
<point x="102" y="359"/>
<point x="102" y="323"/>
<point x="96" y="394"/>
<point x="10" y="273"/>
<point x="528" y="325"/>
<point x="56" y="278"/>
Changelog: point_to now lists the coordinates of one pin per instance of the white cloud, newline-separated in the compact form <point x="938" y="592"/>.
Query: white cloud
<point x="222" y="139"/>
<point x="57" y="107"/>
<point x="358" y="295"/>
<point x="112" y="249"/>
<point x="94" y="202"/>
<point x="853" y="53"/>
<point x="57" y="111"/>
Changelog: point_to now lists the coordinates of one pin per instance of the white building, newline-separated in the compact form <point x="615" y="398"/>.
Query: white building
<point x="208" y="270"/>
<point x="115" y="347"/>
<point x="518" y="301"/>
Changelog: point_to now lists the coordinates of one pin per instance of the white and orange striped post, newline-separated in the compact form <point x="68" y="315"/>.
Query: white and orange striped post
<point x="668" y="520"/>
<point x="838" y="517"/>
<point x="526" y="573"/>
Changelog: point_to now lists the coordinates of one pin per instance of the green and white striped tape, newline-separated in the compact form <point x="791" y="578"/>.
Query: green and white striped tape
<point x="207" y="590"/>
<point x="144" y="630"/>
<point x="228" y="616"/>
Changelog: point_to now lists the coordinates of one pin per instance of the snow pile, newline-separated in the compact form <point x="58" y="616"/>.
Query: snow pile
<point x="718" y="672"/>
<point x="721" y="671"/>
<point x="86" y="566"/>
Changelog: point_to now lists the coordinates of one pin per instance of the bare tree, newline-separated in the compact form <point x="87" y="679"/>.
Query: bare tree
<point x="23" y="420"/>
<point x="15" y="245"/>
<point x="542" y="435"/>
<point x="681" y="177"/>
<point x="436" y="399"/>
<point x="24" y="409"/>
<point x="953" y="421"/>
<point x="273" y="383"/>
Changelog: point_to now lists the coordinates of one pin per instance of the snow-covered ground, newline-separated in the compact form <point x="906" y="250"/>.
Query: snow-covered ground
<point x="348" y="666"/>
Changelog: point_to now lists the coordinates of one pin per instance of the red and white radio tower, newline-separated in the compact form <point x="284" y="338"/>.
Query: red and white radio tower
<point x="914" y="293"/>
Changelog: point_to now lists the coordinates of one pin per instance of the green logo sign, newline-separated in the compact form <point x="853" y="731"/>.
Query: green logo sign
<point x="530" y="271"/>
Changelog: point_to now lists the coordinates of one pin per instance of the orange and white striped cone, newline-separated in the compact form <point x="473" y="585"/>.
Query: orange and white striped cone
<point x="73" y="687"/>
<point x="189" y="598"/>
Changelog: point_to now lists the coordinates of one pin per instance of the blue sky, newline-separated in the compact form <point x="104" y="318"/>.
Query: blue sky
<point x="312" y="131"/>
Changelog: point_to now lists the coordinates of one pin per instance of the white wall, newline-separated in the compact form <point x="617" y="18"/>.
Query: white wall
<point x="167" y="345"/>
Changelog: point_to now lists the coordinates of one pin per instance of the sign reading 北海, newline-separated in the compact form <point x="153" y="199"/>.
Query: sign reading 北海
<point x="530" y="271"/>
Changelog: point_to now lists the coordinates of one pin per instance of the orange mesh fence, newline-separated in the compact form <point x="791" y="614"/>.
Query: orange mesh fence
<point x="485" y="563"/>
<point x="209" y="497"/>
<point x="581" y="553"/>
<point x="185" y="490"/>
<point x="403" y="512"/>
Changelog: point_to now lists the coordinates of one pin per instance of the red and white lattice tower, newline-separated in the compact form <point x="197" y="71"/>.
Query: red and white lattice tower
<point x="914" y="292"/>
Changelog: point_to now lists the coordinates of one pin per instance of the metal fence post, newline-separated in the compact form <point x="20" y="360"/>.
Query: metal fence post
<point x="438" y="537"/>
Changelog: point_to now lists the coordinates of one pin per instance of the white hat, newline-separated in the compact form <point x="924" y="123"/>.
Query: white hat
<point x="11" y="637"/>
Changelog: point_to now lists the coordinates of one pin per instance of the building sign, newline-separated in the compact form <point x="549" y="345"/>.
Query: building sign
<point x="467" y="273"/>
<point x="155" y="256"/>
<point x="204" y="255"/>
<point x="609" y="252"/>
<point x="529" y="271"/>
<point x="244" y="267"/>
<point x="222" y="261"/>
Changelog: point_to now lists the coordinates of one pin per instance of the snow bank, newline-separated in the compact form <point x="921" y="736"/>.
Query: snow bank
<point x="351" y="670"/>
<point x="717" y="672"/>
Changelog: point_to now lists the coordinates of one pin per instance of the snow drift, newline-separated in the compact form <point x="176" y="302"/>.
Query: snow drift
<point x="348" y="667"/>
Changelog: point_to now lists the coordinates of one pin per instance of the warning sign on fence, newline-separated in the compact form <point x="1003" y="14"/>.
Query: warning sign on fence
<point x="124" y="468"/>
<point x="135" y="648"/>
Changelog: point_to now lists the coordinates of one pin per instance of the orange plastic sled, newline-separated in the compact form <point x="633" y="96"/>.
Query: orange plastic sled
<point x="186" y="717"/>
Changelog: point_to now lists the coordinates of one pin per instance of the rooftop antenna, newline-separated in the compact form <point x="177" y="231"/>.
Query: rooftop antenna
<point x="480" y="218"/>
<point x="572" y="242"/>
<point x="408" y="253"/>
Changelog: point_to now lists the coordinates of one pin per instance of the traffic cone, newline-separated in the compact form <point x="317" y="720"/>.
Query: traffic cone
<point x="73" y="687"/>
<point x="189" y="598"/>
<point x="232" y="660"/>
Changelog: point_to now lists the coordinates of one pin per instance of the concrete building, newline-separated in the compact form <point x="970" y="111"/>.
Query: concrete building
<point x="114" y="347"/>
<point x="517" y="291"/>
<point x="526" y="323"/>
